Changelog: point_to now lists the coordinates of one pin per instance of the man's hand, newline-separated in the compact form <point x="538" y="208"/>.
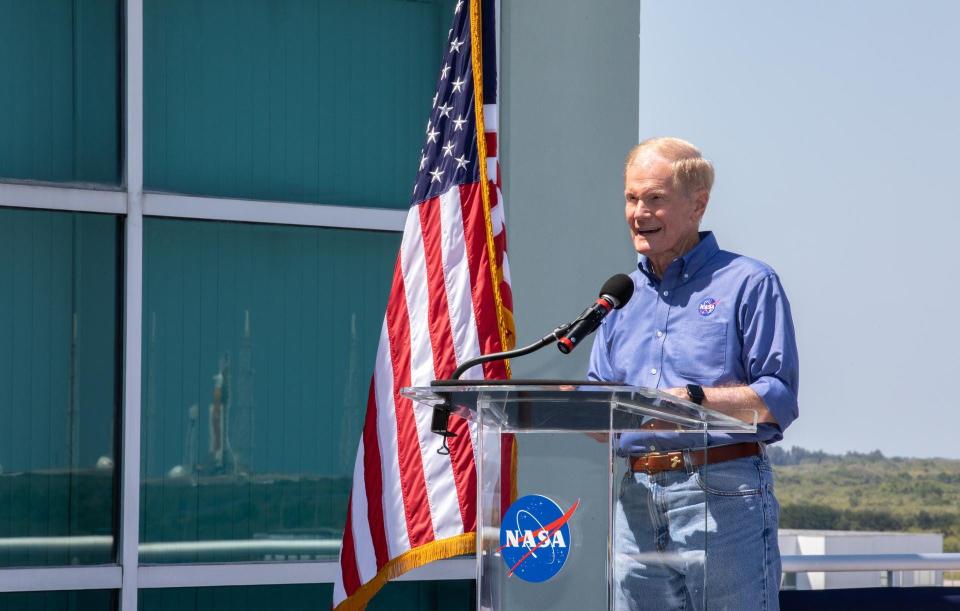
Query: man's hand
<point x="680" y="391"/>
<point x="737" y="401"/>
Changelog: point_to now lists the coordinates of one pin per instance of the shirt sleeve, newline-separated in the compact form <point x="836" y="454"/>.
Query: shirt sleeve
<point x="600" y="369"/>
<point x="770" y="349"/>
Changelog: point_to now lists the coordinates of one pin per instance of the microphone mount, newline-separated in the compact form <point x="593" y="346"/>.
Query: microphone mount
<point x="551" y="337"/>
<point x="442" y="411"/>
<point x="616" y="291"/>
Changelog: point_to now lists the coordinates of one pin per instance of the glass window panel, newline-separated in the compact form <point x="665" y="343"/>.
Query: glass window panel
<point x="82" y="600"/>
<point x="60" y="93"/>
<point x="320" y="101"/>
<point x="59" y="386"/>
<point x="258" y="350"/>
<point x="396" y="596"/>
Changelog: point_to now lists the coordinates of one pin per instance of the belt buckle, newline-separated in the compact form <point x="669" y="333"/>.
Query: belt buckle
<point x="651" y="467"/>
<point x="644" y="462"/>
<point x="640" y="463"/>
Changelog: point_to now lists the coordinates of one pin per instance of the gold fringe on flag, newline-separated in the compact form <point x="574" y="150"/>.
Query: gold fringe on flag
<point x="435" y="550"/>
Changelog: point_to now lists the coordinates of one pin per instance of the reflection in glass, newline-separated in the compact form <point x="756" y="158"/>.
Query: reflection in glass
<point x="396" y="596"/>
<point x="82" y="600"/>
<point x="59" y="313"/>
<point x="59" y="90"/>
<point x="258" y="348"/>
<point x="316" y="102"/>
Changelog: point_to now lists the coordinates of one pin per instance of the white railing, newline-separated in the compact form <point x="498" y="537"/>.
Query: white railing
<point x="886" y="564"/>
<point x="870" y="562"/>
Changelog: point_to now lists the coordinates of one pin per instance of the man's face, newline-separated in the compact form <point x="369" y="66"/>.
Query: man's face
<point x="663" y="220"/>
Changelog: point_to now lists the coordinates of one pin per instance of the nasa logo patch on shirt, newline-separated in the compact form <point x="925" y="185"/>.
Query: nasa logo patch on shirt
<point x="707" y="306"/>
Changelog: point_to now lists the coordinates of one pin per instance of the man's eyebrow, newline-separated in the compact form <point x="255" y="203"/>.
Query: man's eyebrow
<point x="645" y="191"/>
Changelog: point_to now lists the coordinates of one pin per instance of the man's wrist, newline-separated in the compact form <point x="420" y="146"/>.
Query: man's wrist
<point x="695" y="394"/>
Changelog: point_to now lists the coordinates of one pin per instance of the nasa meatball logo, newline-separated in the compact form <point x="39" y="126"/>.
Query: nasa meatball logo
<point x="535" y="538"/>
<point x="707" y="306"/>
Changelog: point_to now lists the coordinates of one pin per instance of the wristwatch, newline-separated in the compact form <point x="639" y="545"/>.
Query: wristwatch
<point x="695" y="392"/>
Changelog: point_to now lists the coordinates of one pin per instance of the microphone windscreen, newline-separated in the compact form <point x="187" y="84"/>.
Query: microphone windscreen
<point x="620" y="287"/>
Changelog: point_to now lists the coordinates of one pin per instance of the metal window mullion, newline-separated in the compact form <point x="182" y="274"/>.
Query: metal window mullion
<point x="73" y="199"/>
<point x="133" y="311"/>
<point x="272" y="212"/>
<point x="283" y="573"/>
<point x="80" y="199"/>
<point x="60" y="578"/>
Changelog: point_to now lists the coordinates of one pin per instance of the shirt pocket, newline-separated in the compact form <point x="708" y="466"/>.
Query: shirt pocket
<point x="699" y="350"/>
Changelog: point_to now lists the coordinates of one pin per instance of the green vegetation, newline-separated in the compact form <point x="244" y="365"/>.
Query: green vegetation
<point x="868" y="492"/>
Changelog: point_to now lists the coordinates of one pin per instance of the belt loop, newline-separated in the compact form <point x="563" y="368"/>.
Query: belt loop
<point x="687" y="463"/>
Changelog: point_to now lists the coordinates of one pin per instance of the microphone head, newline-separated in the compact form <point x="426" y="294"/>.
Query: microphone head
<point x="619" y="289"/>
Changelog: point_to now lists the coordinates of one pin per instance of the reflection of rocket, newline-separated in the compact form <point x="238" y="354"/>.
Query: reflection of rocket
<point x="241" y="425"/>
<point x="216" y="421"/>
<point x="191" y="457"/>
<point x="218" y="412"/>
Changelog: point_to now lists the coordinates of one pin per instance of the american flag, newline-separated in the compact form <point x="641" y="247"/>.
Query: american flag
<point x="450" y="301"/>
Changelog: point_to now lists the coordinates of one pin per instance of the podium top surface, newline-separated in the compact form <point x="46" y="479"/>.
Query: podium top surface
<point x="597" y="405"/>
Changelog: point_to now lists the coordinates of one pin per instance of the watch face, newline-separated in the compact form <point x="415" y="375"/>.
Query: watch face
<point x="696" y="393"/>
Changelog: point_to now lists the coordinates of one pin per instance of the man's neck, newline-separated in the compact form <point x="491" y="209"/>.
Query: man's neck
<point x="662" y="261"/>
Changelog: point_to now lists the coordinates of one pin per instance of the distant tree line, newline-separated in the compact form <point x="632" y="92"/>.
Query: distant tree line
<point x="797" y="455"/>
<point x="823" y="517"/>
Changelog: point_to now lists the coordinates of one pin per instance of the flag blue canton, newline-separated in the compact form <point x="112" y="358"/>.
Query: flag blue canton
<point x="449" y="153"/>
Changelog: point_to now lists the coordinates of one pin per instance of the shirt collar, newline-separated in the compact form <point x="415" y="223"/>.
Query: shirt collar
<point x="691" y="262"/>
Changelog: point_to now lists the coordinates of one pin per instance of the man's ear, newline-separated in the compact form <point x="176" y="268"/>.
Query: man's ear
<point x="700" y="199"/>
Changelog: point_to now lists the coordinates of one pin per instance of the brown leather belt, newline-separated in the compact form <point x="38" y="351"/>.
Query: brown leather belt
<point x="655" y="462"/>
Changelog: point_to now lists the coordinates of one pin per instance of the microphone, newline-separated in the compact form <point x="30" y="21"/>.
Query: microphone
<point x="614" y="294"/>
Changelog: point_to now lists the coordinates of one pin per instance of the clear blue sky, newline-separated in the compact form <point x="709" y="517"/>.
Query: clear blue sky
<point x="834" y="126"/>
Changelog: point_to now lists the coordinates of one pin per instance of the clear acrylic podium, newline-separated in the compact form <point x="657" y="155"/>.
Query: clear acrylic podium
<point x="560" y="440"/>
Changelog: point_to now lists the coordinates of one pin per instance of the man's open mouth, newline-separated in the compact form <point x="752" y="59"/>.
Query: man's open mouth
<point x="648" y="231"/>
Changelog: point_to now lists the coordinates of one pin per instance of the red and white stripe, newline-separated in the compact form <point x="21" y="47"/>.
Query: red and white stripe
<point x="440" y="313"/>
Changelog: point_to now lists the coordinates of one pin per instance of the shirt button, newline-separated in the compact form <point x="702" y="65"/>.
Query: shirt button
<point x="653" y="371"/>
<point x="665" y="293"/>
<point x="686" y="275"/>
<point x="659" y="333"/>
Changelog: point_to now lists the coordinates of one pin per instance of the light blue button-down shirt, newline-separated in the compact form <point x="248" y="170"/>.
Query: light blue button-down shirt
<point x="716" y="318"/>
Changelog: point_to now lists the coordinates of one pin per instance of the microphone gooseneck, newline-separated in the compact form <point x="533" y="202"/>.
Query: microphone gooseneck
<point x="614" y="294"/>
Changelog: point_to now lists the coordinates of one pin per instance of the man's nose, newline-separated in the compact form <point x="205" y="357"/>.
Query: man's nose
<point x="640" y="211"/>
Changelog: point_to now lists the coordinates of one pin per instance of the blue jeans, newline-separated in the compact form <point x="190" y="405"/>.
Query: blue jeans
<point x="699" y="539"/>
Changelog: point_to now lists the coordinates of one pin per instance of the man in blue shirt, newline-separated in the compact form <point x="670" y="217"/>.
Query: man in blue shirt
<point x="714" y="327"/>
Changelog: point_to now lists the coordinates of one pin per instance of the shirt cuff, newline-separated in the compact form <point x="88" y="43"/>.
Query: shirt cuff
<point x="779" y="399"/>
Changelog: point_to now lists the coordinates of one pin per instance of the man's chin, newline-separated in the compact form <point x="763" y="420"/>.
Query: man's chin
<point x="642" y="246"/>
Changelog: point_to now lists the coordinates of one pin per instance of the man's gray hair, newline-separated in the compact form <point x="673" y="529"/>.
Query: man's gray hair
<point x="691" y="171"/>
